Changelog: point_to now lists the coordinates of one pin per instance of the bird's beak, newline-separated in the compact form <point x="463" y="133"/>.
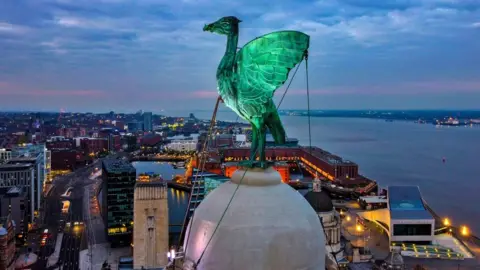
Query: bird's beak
<point x="208" y="27"/>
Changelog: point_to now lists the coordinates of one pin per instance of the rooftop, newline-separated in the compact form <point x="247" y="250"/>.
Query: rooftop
<point x="118" y="166"/>
<point x="405" y="202"/>
<point x="327" y="156"/>
<point x="22" y="160"/>
<point x="12" y="167"/>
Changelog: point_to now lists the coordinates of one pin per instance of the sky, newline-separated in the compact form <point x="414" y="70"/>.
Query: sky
<point x="127" y="55"/>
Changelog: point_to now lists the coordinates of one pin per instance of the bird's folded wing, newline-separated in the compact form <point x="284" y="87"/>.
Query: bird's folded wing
<point x="263" y="64"/>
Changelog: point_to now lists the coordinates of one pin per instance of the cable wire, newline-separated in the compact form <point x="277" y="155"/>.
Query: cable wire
<point x="288" y="86"/>
<point x="308" y="104"/>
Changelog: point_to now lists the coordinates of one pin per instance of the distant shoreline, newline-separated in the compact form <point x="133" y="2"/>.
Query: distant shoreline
<point x="420" y="116"/>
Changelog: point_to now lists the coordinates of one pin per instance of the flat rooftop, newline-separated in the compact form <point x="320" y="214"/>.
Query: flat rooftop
<point x="327" y="156"/>
<point x="405" y="202"/>
<point x="14" y="167"/>
<point x="118" y="166"/>
<point x="22" y="160"/>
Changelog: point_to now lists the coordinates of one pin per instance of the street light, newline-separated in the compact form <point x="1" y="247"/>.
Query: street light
<point x="171" y="257"/>
<point x="465" y="231"/>
<point x="446" y="222"/>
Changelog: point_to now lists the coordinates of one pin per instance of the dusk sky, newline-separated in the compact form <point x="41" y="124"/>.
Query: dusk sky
<point x="127" y="55"/>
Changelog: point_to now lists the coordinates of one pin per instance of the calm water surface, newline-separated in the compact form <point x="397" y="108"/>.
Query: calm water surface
<point x="402" y="153"/>
<point x="177" y="199"/>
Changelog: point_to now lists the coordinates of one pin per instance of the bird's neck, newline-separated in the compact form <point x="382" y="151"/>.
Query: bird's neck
<point x="228" y="59"/>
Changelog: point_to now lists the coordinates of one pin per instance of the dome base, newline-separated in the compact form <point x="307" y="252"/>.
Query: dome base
<point x="268" y="225"/>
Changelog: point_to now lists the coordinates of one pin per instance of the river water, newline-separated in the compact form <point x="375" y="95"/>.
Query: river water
<point x="401" y="153"/>
<point x="177" y="199"/>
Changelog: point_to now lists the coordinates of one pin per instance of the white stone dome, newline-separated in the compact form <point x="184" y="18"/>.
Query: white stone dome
<point x="268" y="225"/>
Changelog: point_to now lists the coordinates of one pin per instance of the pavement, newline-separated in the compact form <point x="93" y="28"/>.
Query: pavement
<point x="98" y="249"/>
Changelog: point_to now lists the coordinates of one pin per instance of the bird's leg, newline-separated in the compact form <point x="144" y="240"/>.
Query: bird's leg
<point x="253" y="149"/>
<point x="262" y="144"/>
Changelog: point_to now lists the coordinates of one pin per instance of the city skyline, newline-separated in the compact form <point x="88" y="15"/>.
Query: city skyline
<point x="122" y="55"/>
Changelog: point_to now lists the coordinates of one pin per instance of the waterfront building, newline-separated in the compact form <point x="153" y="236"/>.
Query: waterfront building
<point x="406" y="220"/>
<point x="147" y="121"/>
<point x="331" y="224"/>
<point x="7" y="243"/>
<point x="119" y="178"/>
<point x="229" y="169"/>
<point x="314" y="160"/>
<point x="5" y="154"/>
<point x="150" y="231"/>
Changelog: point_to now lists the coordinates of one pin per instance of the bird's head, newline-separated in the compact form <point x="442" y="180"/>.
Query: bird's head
<point x="223" y="26"/>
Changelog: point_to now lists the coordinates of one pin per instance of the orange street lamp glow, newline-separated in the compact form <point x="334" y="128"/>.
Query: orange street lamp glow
<point x="348" y="218"/>
<point x="446" y="222"/>
<point x="359" y="228"/>
<point x="464" y="230"/>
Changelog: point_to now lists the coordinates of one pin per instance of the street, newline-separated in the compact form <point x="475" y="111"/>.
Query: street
<point x="71" y="223"/>
<point x="72" y="237"/>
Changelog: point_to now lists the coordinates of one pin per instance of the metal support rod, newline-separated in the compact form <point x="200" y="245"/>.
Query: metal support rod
<point x="202" y="166"/>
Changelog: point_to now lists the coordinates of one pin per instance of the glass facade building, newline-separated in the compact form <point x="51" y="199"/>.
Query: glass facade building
<point x="147" y="121"/>
<point x="119" y="178"/>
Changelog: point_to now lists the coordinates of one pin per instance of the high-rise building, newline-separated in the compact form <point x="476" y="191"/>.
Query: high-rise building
<point x="150" y="231"/>
<point x="19" y="176"/>
<point x="117" y="200"/>
<point x="147" y="121"/>
<point x="38" y="156"/>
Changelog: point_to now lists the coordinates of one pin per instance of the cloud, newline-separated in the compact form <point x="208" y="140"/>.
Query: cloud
<point x="150" y="46"/>
<point x="8" y="28"/>
<point x="50" y="93"/>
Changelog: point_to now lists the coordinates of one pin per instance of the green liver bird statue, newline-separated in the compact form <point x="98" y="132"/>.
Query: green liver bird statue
<point x="247" y="79"/>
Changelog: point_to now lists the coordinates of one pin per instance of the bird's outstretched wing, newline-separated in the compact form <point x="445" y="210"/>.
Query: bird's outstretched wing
<point x="263" y="64"/>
